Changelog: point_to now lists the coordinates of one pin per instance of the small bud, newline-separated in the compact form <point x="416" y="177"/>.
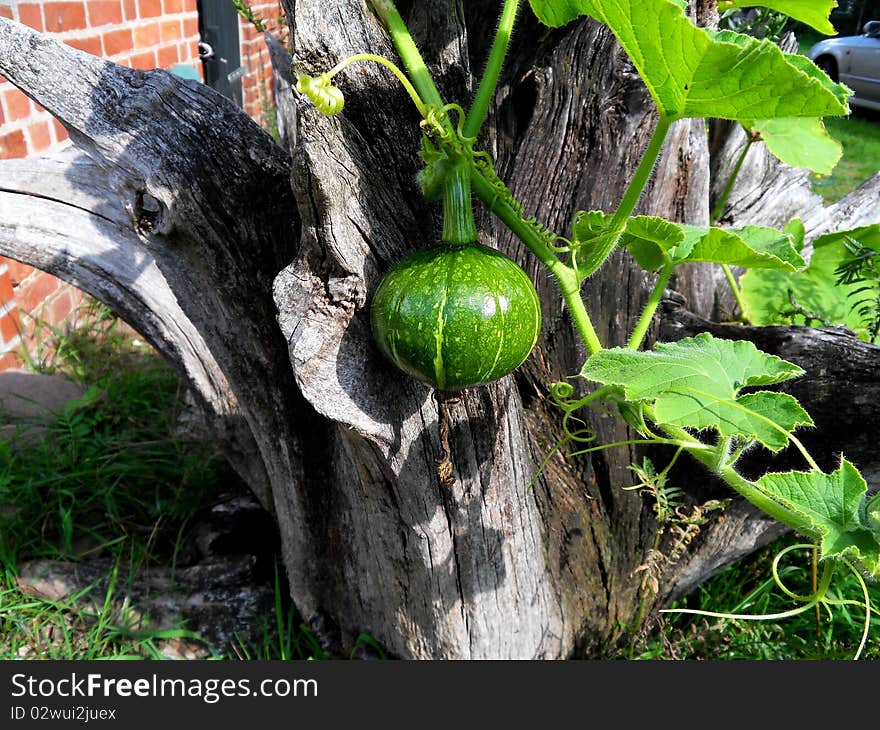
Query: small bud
<point x="327" y="98"/>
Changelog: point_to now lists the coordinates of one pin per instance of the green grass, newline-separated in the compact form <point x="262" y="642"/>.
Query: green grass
<point x="860" y="136"/>
<point x="112" y="474"/>
<point x="111" y="477"/>
<point x="88" y="624"/>
<point x="748" y="587"/>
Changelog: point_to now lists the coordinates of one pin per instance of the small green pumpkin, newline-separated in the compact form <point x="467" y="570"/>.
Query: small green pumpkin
<point x="456" y="316"/>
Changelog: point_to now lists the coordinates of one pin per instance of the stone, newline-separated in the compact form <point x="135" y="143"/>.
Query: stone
<point x="26" y="396"/>
<point x="28" y="401"/>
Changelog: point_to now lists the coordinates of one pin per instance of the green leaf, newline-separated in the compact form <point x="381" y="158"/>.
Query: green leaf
<point x="696" y="382"/>
<point x="830" y="508"/>
<point x="751" y="246"/>
<point x="799" y="142"/>
<point x="651" y="240"/>
<point x="812" y="297"/>
<point x="694" y="72"/>
<point x="592" y="241"/>
<point x="809" y="12"/>
<point x="764" y="416"/>
<point x="872" y="511"/>
<point x="795" y="229"/>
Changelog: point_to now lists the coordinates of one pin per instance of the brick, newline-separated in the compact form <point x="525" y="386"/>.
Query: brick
<point x="32" y="14"/>
<point x="39" y="137"/>
<point x="146" y="35"/>
<point x="104" y="12"/>
<point x="118" y="41"/>
<point x="7" y="293"/>
<point x="6" y="12"/>
<point x="17" y="105"/>
<point x="64" y="16"/>
<point x="190" y="27"/>
<point x="168" y="56"/>
<point x="169" y="30"/>
<point x="130" y="8"/>
<point x="10" y="327"/>
<point x="18" y="271"/>
<point x="150" y="8"/>
<point x="13" y="145"/>
<point x="10" y="360"/>
<point x="144" y="61"/>
<point x="60" y="131"/>
<point x="190" y="52"/>
<point x="172" y="6"/>
<point x="61" y="307"/>
<point x="89" y="45"/>
<point x="32" y="293"/>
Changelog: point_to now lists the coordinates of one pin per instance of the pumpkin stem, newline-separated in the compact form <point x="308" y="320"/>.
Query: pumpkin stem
<point x="459" y="228"/>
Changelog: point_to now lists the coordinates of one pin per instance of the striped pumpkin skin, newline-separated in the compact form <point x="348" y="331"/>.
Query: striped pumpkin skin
<point x="454" y="317"/>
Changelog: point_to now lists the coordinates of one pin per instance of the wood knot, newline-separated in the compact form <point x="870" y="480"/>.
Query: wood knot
<point x="136" y="78"/>
<point x="148" y="213"/>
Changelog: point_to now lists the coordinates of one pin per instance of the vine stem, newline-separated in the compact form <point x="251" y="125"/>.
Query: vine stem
<point x="642" y="174"/>
<point x="381" y="60"/>
<point x="690" y="445"/>
<point x="740" y="484"/>
<point x="486" y="90"/>
<point x="734" y="287"/>
<point x="408" y="52"/>
<point x="718" y="210"/>
<point x="605" y="244"/>
<point x="827" y="574"/>
<point x="867" y="626"/>
<point x="565" y="276"/>
<point x="641" y="328"/>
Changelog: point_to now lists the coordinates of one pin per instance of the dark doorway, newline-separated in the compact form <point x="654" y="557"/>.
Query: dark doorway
<point x="219" y="50"/>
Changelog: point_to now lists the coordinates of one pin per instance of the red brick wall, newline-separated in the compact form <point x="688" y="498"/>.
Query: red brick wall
<point x="257" y="97"/>
<point x="141" y="34"/>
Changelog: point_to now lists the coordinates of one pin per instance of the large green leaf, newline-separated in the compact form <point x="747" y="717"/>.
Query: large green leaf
<point x="652" y="240"/>
<point x="696" y="382"/>
<point x="799" y="142"/>
<point x="810" y="12"/>
<point x="751" y="246"/>
<point x="813" y="296"/>
<point x="694" y="72"/>
<point x="833" y="508"/>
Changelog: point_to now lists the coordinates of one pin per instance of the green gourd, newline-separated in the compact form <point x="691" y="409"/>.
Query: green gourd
<point x="456" y="316"/>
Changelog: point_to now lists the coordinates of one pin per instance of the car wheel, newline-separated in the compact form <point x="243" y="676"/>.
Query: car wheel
<point x="828" y="65"/>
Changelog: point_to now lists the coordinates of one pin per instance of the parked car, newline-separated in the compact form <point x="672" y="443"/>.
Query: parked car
<point x="854" y="61"/>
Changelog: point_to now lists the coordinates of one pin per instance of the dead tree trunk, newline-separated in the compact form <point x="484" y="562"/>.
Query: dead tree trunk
<point x="252" y="271"/>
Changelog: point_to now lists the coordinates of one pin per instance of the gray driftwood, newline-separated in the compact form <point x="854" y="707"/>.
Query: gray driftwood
<point x="251" y="268"/>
